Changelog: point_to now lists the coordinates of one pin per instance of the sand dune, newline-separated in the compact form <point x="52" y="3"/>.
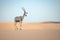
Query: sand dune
<point x="30" y="26"/>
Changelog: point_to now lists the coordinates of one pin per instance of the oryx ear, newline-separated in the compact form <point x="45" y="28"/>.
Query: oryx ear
<point x="25" y="15"/>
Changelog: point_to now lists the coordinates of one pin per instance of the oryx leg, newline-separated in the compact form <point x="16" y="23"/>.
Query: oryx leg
<point x="16" y="28"/>
<point x="21" y="25"/>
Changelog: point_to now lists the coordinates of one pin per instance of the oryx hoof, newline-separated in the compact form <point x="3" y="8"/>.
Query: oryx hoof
<point x="16" y="29"/>
<point x="21" y="28"/>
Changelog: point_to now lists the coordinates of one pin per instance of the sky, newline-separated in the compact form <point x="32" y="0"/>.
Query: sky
<point x="38" y="10"/>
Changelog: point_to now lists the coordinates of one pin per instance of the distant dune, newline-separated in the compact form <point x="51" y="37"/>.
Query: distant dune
<point x="31" y="26"/>
<point x="51" y="22"/>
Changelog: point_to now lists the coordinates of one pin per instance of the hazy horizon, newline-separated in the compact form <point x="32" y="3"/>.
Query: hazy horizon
<point x="38" y="10"/>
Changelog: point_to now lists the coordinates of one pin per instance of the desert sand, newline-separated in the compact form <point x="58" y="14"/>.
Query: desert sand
<point x="30" y="26"/>
<point x="31" y="31"/>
